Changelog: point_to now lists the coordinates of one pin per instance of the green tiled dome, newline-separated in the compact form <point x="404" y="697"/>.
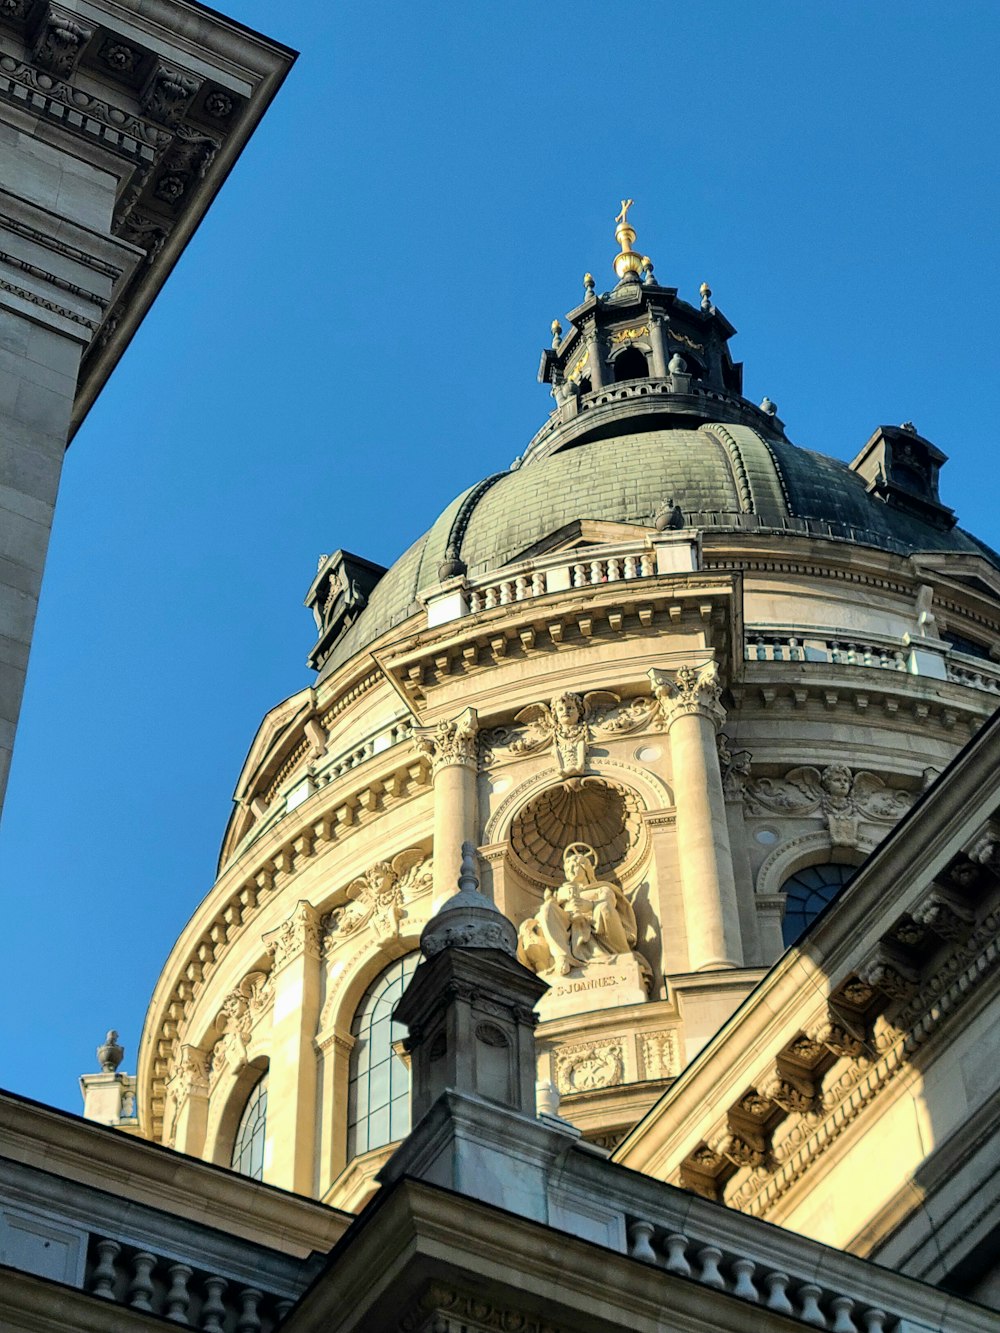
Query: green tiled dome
<point x="722" y="477"/>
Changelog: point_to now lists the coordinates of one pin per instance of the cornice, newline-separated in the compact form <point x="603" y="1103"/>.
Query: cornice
<point x="253" y="879"/>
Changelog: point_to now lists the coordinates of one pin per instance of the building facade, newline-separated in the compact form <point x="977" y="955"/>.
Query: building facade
<point x="674" y="676"/>
<point x="696" y="720"/>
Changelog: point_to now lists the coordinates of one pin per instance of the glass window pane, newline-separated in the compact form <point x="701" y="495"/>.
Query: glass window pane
<point x="379" y="1098"/>
<point x="807" y="892"/>
<point x="248" y="1147"/>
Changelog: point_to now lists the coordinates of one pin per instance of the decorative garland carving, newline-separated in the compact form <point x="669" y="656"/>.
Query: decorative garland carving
<point x="378" y="898"/>
<point x="568" y="724"/>
<point x="660" y="1053"/>
<point x="240" y="1010"/>
<point x="841" y="798"/>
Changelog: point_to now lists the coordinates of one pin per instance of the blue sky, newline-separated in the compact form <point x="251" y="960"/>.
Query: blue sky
<point x="352" y="338"/>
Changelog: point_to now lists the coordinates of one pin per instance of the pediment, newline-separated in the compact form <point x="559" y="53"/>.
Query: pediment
<point x="584" y="532"/>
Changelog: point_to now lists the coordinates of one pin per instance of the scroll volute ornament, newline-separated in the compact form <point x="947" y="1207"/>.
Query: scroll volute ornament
<point x="299" y="933"/>
<point x="450" y="742"/>
<point x="693" y="690"/>
<point x="378" y="897"/>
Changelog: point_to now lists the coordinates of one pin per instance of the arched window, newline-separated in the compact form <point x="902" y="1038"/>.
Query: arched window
<point x="630" y="365"/>
<point x="807" y="892"/>
<point x="248" y="1148"/>
<point x="378" y="1107"/>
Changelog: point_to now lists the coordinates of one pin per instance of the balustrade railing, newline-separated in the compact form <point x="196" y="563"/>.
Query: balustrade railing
<point x="767" y="646"/>
<point x="974" y="672"/>
<point x="611" y="568"/>
<point x="181" y="1292"/>
<point x="378" y="741"/>
<point x="751" y="1280"/>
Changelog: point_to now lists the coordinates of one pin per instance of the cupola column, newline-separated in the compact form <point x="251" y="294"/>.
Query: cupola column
<point x="692" y="714"/>
<point x="595" y="360"/>
<point x="290" y="1153"/>
<point x="451" y="749"/>
<point x="657" y="347"/>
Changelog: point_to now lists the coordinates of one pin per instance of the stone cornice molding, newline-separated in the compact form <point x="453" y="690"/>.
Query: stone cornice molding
<point x="450" y="743"/>
<point x="171" y="136"/>
<point x="300" y="933"/>
<point x="333" y="813"/>
<point x="694" y="691"/>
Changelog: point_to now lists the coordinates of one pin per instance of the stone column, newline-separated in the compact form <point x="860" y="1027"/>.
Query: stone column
<point x="656" y="346"/>
<point x="290" y="1152"/>
<point x="595" y="360"/>
<point x="451" y="748"/>
<point x="692" y="714"/>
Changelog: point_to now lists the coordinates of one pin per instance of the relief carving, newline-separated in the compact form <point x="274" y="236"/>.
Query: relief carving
<point x="299" y="933"/>
<point x="660" y="1054"/>
<point x="841" y="798"/>
<point x="693" y="690"/>
<point x="378" y="898"/>
<point x="240" y="1010"/>
<point x="451" y="742"/>
<point x="584" y="1068"/>
<point x="734" y="766"/>
<point x="567" y="724"/>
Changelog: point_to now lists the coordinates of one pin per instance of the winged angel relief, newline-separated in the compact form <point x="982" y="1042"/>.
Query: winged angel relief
<point x="378" y="897"/>
<point x="568" y="724"/>
<point x="843" y="798"/>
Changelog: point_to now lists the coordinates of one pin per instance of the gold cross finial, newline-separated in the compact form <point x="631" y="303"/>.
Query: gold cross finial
<point x="629" y="261"/>
<point x="623" y="215"/>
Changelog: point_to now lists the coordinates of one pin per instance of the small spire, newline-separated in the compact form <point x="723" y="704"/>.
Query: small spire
<point x="706" y="297"/>
<point x="768" y="407"/>
<point x="647" y="269"/>
<point x="588" y="284"/>
<point x="629" y="261"/>
<point x="556" y="332"/>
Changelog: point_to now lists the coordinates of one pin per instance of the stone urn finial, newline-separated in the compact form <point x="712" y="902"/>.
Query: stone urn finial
<point x="110" y="1054"/>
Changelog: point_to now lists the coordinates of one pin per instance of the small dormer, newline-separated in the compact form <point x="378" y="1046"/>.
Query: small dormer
<point x="337" y="596"/>
<point x="901" y="468"/>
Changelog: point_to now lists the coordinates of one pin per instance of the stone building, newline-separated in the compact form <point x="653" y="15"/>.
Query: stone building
<point x="699" y="722"/>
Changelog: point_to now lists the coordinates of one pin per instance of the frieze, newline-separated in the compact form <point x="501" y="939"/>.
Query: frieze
<point x="567" y="725"/>
<point x="34" y="299"/>
<point x="837" y="795"/>
<point x="455" y="1309"/>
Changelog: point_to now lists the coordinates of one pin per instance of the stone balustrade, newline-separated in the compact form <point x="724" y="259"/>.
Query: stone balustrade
<point x="184" y="1294"/>
<point x="757" y="1281"/>
<point x="375" y="743"/>
<point x="636" y="563"/>
<point x="973" y="672"/>
<point x="764" y="645"/>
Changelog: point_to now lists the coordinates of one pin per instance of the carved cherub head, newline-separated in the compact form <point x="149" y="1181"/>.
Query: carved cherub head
<point x="567" y="710"/>
<point x="837" y="781"/>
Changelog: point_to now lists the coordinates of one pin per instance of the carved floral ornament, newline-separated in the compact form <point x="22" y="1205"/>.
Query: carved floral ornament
<point x="587" y="1067"/>
<point x="693" y="691"/>
<point x="299" y="933"/>
<point x="378" y="898"/>
<point x="449" y="743"/>
<point x="235" y="1020"/>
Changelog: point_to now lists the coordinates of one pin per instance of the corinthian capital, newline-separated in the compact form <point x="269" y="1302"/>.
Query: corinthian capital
<point x="451" y="742"/>
<point x="693" y="690"/>
<point x="189" y="1072"/>
<point x="299" y="933"/>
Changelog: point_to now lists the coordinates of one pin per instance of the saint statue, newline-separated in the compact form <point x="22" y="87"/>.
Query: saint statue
<point x="585" y="920"/>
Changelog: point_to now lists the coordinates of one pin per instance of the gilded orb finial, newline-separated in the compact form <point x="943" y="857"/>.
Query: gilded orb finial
<point x="706" y="296"/>
<point x="588" y="283"/>
<point x="556" y="332"/>
<point x="629" y="261"/>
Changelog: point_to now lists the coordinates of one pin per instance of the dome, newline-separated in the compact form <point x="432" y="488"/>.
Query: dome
<point x="713" y="476"/>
